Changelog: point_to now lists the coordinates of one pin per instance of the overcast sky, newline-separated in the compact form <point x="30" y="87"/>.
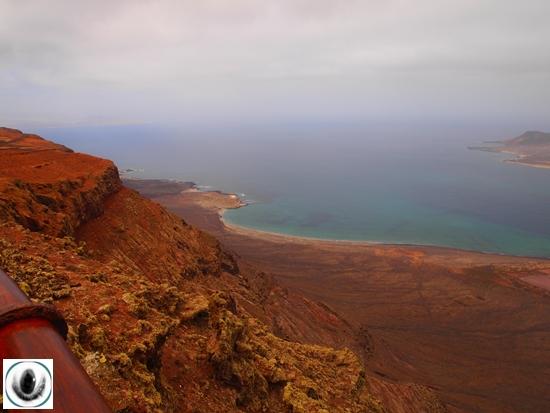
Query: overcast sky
<point x="67" y="61"/>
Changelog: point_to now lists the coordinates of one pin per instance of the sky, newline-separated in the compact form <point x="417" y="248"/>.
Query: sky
<point x="66" y="62"/>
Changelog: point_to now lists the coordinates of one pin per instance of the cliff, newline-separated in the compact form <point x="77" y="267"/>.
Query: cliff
<point x="46" y="187"/>
<point x="160" y="315"/>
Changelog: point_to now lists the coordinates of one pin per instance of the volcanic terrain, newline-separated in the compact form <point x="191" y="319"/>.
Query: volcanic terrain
<point x="163" y="317"/>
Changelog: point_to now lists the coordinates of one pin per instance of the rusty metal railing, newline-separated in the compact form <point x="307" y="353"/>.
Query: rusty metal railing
<point x="37" y="331"/>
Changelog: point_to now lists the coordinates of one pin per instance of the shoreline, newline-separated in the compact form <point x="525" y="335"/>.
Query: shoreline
<point x="301" y="239"/>
<point x="190" y="194"/>
<point x="246" y="240"/>
<point x="518" y="156"/>
<point x="518" y="161"/>
<point x="254" y="232"/>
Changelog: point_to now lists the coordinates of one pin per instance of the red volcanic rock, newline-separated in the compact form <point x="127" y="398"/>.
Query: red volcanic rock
<point x="47" y="187"/>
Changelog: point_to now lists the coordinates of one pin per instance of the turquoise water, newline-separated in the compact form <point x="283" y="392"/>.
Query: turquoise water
<point x="356" y="183"/>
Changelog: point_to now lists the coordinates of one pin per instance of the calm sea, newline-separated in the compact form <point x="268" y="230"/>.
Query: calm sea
<point x="387" y="184"/>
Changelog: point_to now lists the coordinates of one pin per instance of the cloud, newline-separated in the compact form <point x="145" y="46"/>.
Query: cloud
<point x="167" y="59"/>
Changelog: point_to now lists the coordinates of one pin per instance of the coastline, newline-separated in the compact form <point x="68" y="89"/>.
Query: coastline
<point x="187" y="195"/>
<point x="519" y="158"/>
<point x="279" y="237"/>
<point x="284" y="238"/>
<point x="518" y="161"/>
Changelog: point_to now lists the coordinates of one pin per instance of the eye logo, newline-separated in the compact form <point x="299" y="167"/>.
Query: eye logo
<point x="28" y="384"/>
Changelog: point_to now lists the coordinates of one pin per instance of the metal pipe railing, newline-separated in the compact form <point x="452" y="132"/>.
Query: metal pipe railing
<point x="38" y="331"/>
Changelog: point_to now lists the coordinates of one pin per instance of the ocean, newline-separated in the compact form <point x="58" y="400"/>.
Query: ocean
<point x="391" y="184"/>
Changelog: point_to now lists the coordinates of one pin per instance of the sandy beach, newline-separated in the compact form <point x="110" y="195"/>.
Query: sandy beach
<point x="519" y="160"/>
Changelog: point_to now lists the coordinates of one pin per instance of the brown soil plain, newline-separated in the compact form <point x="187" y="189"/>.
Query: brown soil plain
<point x="189" y="315"/>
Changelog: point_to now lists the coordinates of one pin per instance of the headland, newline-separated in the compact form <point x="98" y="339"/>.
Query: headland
<point x="532" y="148"/>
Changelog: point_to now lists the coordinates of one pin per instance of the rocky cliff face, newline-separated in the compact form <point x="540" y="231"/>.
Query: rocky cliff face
<point x="161" y="317"/>
<point x="46" y="187"/>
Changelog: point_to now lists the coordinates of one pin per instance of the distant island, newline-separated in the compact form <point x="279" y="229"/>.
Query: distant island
<point x="532" y="148"/>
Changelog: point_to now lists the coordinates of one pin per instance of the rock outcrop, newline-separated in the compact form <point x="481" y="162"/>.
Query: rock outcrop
<point x="47" y="187"/>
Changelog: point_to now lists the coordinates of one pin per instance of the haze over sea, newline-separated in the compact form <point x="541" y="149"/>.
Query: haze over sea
<point x="417" y="185"/>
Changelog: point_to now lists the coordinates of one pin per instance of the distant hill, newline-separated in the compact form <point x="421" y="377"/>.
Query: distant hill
<point x="531" y="138"/>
